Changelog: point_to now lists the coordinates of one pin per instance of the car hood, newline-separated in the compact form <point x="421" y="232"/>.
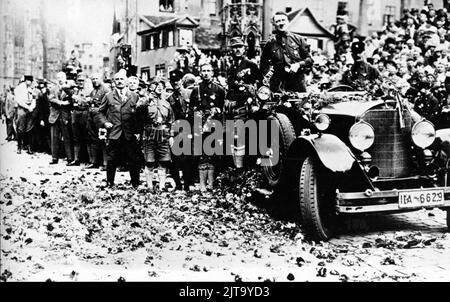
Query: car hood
<point x="350" y="108"/>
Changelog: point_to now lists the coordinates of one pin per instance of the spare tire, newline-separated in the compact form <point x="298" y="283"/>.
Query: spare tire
<point x="275" y="174"/>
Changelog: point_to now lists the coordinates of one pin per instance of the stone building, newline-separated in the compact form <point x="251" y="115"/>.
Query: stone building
<point x="29" y="44"/>
<point x="243" y="18"/>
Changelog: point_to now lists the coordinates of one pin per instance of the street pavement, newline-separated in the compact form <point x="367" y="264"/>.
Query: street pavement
<point x="47" y="233"/>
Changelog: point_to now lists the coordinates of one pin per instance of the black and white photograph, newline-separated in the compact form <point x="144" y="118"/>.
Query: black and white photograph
<point x="203" y="141"/>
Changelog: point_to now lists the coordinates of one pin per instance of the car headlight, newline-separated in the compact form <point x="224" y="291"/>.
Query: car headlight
<point x="361" y="136"/>
<point x="322" y="122"/>
<point x="423" y="134"/>
<point x="263" y="93"/>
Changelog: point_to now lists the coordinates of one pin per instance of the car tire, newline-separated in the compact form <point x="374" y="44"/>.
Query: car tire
<point x="274" y="175"/>
<point x="317" y="201"/>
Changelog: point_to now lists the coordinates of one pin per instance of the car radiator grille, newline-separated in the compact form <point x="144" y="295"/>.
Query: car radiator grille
<point x="391" y="149"/>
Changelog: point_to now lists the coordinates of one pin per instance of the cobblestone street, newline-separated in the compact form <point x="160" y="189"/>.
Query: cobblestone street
<point x="404" y="247"/>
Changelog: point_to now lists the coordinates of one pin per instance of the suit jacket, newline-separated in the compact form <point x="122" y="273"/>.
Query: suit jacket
<point x="122" y="114"/>
<point x="57" y="111"/>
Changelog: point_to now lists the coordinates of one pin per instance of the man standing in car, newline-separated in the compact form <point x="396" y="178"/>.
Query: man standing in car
<point x="288" y="53"/>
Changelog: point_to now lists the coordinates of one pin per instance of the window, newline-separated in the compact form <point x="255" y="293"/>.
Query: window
<point x="166" y="6"/>
<point x="212" y="7"/>
<point x="151" y="40"/>
<point x="288" y="9"/>
<point x="320" y="44"/>
<point x="160" y="70"/>
<point x="165" y="38"/>
<point x="186" y="37"/>
<point x="170" y="38"/>
<point x="155" y="41"/>
<point x="160" y="39"/>
<point x="145" y="73"/>
<point x="143" y="43"/>
<point x="342" y="8"/>
<point x="389" y="14"/>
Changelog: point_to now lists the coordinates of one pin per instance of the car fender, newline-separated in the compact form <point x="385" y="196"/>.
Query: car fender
<point x="332" y="152"/>
<point x="443" y="140"/>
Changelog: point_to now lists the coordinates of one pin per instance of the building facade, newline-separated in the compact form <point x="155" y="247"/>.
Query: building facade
<point x="29" y="44"/>
<point x="243" y="18"/>
<point x="155" y="29"/>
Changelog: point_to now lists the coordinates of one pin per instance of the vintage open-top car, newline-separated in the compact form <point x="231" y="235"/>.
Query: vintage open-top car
<point x="346" y="152"/>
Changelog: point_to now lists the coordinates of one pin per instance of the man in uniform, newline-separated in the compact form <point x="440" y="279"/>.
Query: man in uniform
<point x="362" y="74"/>
<point x="43" y="142"/>
<point x="117" y="113"/>
<point x="72" y="67"/>
<point x="60" y="119"/>
<point x="243" y="79"/>
<point x="288" y="54"/>
<point x="80" y="114"/>
<point x="10" y="113"/>
<point x="26" y="104"/>
<point x="207" y="100"/>
<point x="94" y="143"/>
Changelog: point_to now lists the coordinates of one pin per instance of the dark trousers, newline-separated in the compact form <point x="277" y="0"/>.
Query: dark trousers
<point x="118" y="150"/>
<point x="41" y="138"/>
<point x="56" y="130"/>
<point x="79" y="131"/>
<point x="10" y="132"/>
<point x="185" y="164"/>
<point x="95" y="146"/>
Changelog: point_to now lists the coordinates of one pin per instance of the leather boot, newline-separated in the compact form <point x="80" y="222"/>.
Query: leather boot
<point x="90" y="155"/>
<point x="134" y="175"/>
<point x="76" y="161"/>
<point x="110" y="173"/>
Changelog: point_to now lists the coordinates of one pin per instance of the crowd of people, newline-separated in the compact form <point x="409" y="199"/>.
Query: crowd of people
<point x="411" y="55"/>
<point x="128" y="123"/>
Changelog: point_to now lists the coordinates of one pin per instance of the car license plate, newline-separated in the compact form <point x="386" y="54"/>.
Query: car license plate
<point x="424" y="198"/>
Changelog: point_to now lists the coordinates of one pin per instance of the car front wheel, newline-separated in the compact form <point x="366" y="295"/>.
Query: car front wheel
<point x="273" y="174"/>
<point x="317" y="201"/>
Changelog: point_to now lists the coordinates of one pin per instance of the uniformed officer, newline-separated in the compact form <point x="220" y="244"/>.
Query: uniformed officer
<point x="361" y="74"/>
<point x="207" y="101"/>
<point x="26" y="103"/>
<point x="10" y="114"/>
<point x="95" y="146"/>
<point x="157" y="135"/>
<point x="60" y="118"/>
<point x="117" y="113"/>
<point x="72" y="67"/>
<point x="288" y="53"/>
<point x="243" y="79"/>
<point x="80" y="116"/>
<point x="42" y="139"/>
